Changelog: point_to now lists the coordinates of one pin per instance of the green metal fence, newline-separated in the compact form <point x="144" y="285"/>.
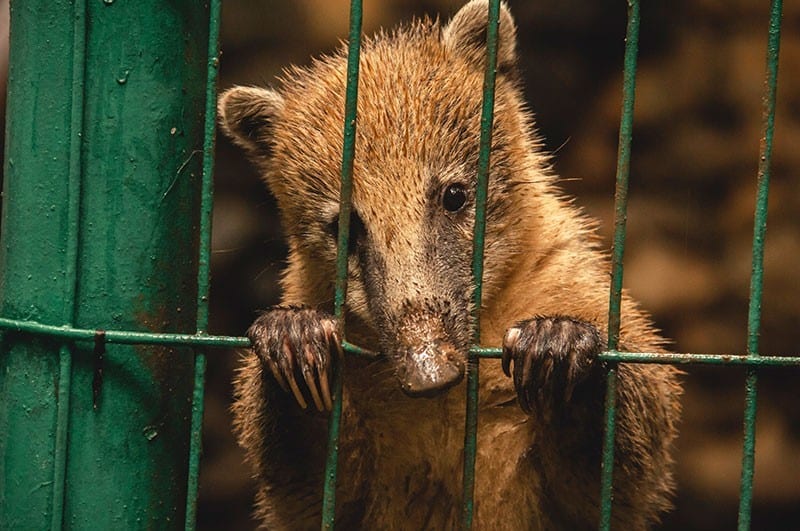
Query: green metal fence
<point x="67" y="327"/>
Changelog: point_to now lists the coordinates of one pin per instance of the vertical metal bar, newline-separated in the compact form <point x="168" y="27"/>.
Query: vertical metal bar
<point x="620" y="218"/>
<point x="756" y="278"/>
<point x="204" y="261"/>
<point x="62" y="435"/>
<point x="481" y="192"/>
<point x="71" y="260"/>
<point x="348" y="155"/>
<point x="748" y="448"/>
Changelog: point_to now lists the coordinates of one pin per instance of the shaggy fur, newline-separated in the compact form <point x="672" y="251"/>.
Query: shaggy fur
<point x="545" y="298"/>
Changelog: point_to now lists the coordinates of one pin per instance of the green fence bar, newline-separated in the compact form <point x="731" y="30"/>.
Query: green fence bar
<point x="109" y="162"/>
<point x="701" y="359"/>
<point x="348" y="155"/>
<point x="481" y="192"/>
<point x="124" y="337"/>
<point x="756" y="279"/>
<point x="99" y="230"/>
<point x="620" y="218"/>
<point x="203" y="262"/>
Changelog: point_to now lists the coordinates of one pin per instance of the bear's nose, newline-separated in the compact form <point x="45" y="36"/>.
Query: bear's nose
<point x="430" y="370"/>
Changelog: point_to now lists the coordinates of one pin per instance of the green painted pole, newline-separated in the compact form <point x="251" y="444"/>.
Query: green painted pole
<point x="99" y="231"/>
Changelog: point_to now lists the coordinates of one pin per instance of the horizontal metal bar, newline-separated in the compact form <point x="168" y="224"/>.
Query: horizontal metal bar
<point x="705" y="359"/>
<point x="194" y="340"/>
<point x="359" y="351"/>
<point x="486" y="352"/>
<point x="125" y="337"/>
<point x="672" y="358"/>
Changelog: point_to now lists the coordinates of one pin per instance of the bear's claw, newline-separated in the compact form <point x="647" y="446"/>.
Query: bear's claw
<point x="297" y="345"/>
<point x="551" y="355"/>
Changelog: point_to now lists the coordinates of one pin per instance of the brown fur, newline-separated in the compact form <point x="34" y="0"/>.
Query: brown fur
<point x="401" y="457"/>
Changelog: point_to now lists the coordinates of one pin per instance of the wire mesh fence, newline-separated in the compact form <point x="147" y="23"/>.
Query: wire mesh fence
<point x="68" y="334"/>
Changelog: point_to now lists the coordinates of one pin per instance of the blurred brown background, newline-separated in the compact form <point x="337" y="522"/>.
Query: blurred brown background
<point x="695" y="154"/>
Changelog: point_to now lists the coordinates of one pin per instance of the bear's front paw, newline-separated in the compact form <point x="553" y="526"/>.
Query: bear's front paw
<point x="298" y="346"/>
<point x="551" y="356"/>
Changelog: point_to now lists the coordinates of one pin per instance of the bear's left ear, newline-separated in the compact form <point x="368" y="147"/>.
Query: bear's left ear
<point x="248" y="115"/>
<point x="466" y="34"/>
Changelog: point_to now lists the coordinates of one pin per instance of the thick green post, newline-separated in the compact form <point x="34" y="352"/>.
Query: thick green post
<point x="99" y="231"/>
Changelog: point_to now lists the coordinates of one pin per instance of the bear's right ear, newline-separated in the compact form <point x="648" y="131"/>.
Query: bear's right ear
<point x="465" y="34"/>
<point x="248" y="115"/>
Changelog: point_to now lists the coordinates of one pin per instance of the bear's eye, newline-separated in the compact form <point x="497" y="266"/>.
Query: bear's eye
<point x="454" y="197"/>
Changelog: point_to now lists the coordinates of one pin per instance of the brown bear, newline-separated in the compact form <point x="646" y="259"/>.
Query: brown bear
<point x="545" y="299"/>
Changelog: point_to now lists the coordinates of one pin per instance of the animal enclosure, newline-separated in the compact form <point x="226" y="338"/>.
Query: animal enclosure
<point x="68" y="383"/>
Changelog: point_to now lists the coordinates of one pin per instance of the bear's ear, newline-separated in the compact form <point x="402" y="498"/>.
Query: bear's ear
<point x="247" y="116"/>
<point x="466" y="34"/>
